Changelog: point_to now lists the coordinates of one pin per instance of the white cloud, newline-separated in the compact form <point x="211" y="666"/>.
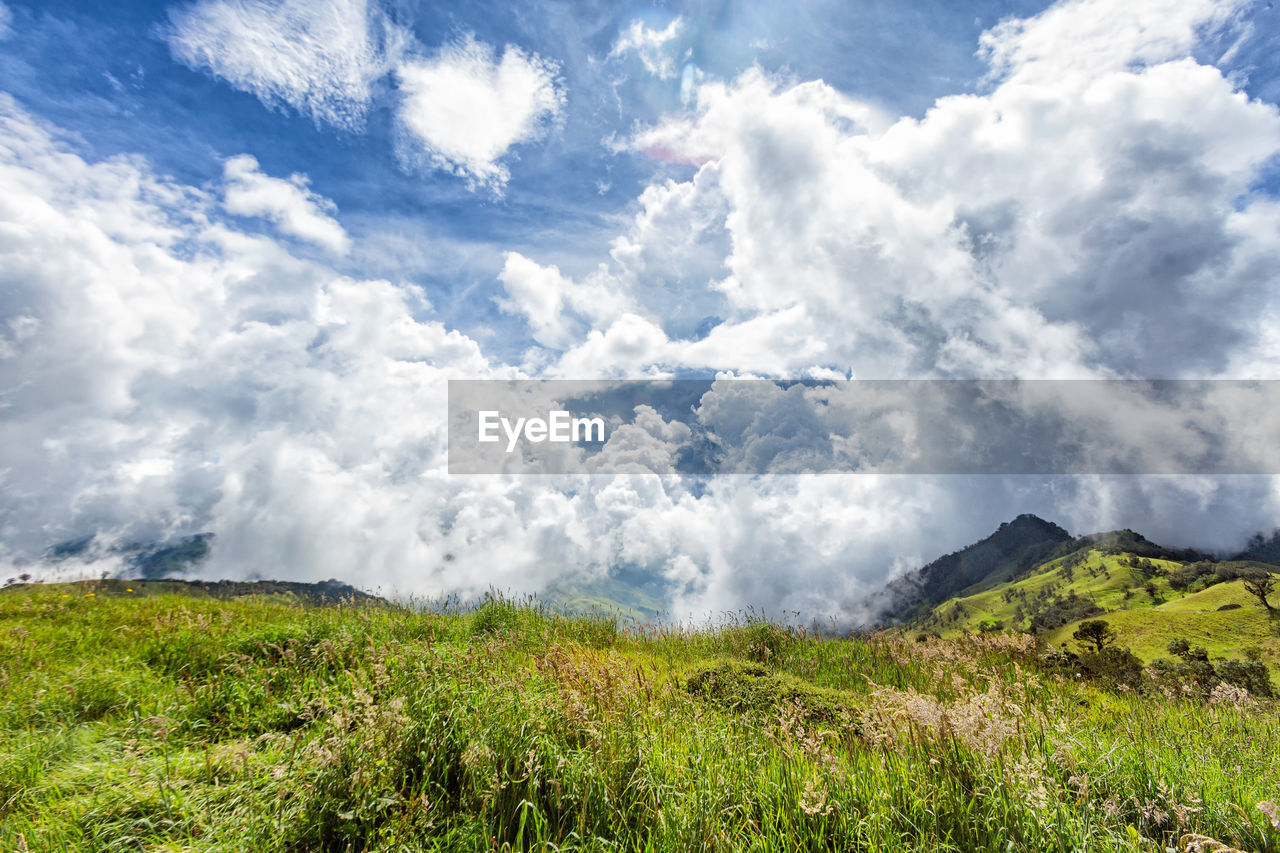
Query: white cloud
<point x="1091" y="215"/>
<point x="656" y="48"/>
<point x="321" y="57"/>
<point x="1092" y="37"/>
<point x="464" y="109"/>
<point x="553" y="305"/>
<point x="6" y="21"/>
<point x="290" y="204"/>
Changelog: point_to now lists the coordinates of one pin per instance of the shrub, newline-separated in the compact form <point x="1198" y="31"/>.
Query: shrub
<point x="1249" y="675"/>
<point x="1189" y="653"/>
<point x="1059" y="610"/>
<point x="1184" y="577"/>
<point x="1112" y="667"/>
<point x="763" y="641"/>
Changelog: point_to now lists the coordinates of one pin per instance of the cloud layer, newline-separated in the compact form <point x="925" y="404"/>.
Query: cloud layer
<point x="173" y="361"/>
<point x="1092" y="215"/>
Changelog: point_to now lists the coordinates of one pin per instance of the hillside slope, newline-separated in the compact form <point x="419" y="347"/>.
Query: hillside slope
<point x="1148" y="594"/>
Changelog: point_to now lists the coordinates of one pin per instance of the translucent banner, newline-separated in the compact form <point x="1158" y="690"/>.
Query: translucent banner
<point x="754" y="427"/>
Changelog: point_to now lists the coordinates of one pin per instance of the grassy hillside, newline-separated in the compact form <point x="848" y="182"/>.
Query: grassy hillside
<point x="1139" y="602"/>
<point x="170" y="722"/>
<point x="1198" y="618"/>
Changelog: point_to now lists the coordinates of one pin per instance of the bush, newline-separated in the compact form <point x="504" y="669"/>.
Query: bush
<point x="1249" y="675"/>
<point x="1183" y="577"/>
<point x="1058" y="611"/>
<point x="1112" y="667"/>
<point x="1189" y="653"/>
<point x="1195" y="677"/>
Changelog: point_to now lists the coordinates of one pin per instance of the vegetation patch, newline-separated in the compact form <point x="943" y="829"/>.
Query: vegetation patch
<point x="751" y="688"/>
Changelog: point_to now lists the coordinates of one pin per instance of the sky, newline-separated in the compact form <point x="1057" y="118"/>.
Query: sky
<point x="245" y="243"/>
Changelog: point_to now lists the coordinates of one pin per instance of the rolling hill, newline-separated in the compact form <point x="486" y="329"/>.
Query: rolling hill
<point x="1148" y="594"/>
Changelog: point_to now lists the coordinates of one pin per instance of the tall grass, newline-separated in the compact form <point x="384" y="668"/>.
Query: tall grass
<point x="169" y="723"/>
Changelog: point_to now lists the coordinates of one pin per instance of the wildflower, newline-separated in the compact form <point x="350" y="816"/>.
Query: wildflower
<point x="90" y="594"/>
<point x="130" y="589"/>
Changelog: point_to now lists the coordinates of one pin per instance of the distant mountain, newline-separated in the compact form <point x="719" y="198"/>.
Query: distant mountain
<point x="318" y="593"/>
<point x="628" y="594"/>
<point x="1016" y="547"/>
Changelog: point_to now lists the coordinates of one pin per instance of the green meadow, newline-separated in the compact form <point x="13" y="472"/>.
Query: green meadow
<point x="141" y="719"/>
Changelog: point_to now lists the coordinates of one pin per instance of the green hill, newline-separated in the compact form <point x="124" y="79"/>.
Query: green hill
<point x="1148" y="594"/>
<point x="282" y="592"/>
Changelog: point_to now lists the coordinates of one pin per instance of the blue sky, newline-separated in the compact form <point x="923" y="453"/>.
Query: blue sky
<point x="244" y="243"/>
<point x="117" y="84"/>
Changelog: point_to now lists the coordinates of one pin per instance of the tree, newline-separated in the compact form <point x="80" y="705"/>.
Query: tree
<point x="1189" y="653"/>
<point x="1095" y="634"/>
<point x="1260" y="586"/>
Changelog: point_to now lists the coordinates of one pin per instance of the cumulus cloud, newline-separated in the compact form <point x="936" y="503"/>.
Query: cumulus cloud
<point x="465" y="108"/>
<point x="290" y="204"/>
<point x="1092" y="215"/>
<point x="654" y="47"/>
<point x="166" y="374"/>
<point x="320" y="57"/>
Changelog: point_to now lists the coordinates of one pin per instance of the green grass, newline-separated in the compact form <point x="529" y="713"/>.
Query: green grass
<point x="1195" y="617"/>
<point x="168" y="722"/>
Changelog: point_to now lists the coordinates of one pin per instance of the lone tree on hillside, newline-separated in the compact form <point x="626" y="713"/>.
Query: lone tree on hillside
<point x="1096" y="633"/>
<point x="1260" y="586"/>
